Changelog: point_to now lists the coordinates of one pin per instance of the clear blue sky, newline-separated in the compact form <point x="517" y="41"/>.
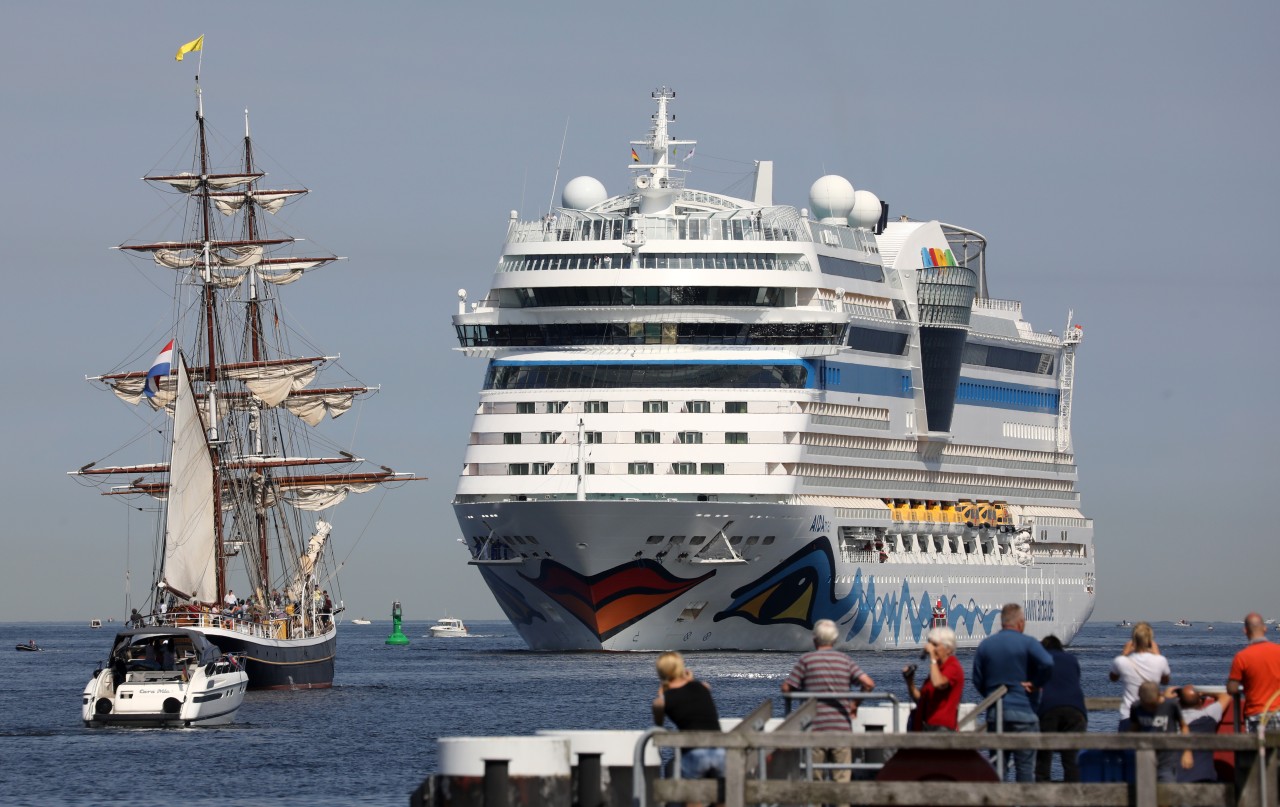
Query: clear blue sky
<point x="1120" y="157"/>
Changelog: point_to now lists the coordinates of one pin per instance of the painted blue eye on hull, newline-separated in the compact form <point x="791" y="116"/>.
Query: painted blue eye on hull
<point x="801" y="590"/>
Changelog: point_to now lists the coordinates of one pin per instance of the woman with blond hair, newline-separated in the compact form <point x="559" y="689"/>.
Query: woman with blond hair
<point x="687" y="702"/>
<point x="1140" y="661"/>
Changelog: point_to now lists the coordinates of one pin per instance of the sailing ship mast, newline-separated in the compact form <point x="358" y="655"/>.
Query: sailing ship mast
<point x="251" y="472"/>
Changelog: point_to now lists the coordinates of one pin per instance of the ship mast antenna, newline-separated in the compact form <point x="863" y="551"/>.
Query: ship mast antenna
<point x="555" y="183"/>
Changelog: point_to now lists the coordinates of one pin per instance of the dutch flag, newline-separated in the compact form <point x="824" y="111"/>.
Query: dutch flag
<point x="161" y="367"/>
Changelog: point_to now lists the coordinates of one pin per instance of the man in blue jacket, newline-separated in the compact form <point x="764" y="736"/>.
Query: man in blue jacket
<point x="1018" y="662"/>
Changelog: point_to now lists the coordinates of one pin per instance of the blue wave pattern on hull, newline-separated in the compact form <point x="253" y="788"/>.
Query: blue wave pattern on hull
<point x="801" y="590"/>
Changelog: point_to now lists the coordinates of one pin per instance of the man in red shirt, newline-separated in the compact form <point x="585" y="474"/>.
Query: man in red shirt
<point x="1256" y="669"/>
<point x="939" y="699"/>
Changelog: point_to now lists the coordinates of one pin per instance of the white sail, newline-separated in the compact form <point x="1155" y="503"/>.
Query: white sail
<point x="271" y="385"/>
<point x="190" y="541"/>
<point x="307" y="563"/>
<point x="322" y="497"/>
<point x="311" y="409"/>
<point x="187" y="182"/>
<point x="229" y="204"/>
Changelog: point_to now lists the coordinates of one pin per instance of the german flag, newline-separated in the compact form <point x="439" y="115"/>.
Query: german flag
<point x="634" y="156"/>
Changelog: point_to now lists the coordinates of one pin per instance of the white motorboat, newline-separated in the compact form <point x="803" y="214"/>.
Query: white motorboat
<point x="95" y="623"/>
<point x="361" y="622"/>
<point x="1182" y="623"/>
<point x="449" y="627"/>
<point x="164" y="677"/>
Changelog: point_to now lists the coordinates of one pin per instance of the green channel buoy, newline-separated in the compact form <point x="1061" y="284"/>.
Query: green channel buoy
<point x="397" y="636"/>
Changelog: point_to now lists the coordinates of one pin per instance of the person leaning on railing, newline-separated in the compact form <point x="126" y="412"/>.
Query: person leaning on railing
<point x="687" y="702"/>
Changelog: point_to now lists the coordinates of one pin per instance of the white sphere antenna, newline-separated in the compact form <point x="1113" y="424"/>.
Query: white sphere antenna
<point x="462" y="301"/>
<point x="866" y="210"/>
<point x="581" y="193"/>
<point x="831" y="198"/>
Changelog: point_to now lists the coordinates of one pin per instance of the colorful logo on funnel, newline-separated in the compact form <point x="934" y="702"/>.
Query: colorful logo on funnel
<point x="612" y="600"/>
<point x="930" y="257"/>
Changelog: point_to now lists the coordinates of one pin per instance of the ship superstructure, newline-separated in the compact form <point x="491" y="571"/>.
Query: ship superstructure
<point x="708" y="422"/>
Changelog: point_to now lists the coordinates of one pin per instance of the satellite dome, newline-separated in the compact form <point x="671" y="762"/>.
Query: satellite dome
<point x="831" y="198"/>
<point x="866" y="210"/>
<point x="583" y="192"/>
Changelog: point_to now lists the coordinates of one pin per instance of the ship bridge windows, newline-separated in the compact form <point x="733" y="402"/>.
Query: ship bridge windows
<point x="775" y="375"/>
<point x="597" y="296"/>
<point x="1007" y="358"/>
<point x="871" y="340"/>
<point x="757" y="261"/>
<point x="650" y="333"/>
<point x="852" y="269"/>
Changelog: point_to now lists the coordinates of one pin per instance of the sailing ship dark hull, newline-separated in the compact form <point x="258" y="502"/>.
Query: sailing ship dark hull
<point x="282" y="663"/>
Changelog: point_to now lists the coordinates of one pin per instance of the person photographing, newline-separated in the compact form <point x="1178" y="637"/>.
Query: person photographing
<point x="938" y="699"/>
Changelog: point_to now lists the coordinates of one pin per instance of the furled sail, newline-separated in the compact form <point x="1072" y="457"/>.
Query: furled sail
<point x="188" y="182"/>
<point x="307" y="563"/>
<point x="321" y="497"/>
<point x="229" y="204"/>
<point x="271" y="385"/>
<point x="283" y="271"/>
<point x="311" y="409"/>
<point x="190" y="541"/>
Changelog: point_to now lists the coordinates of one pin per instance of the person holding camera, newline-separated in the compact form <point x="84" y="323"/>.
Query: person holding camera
<point x="938" y="700"/>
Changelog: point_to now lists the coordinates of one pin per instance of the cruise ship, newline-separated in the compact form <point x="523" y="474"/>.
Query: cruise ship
<point x="708" y="422"/>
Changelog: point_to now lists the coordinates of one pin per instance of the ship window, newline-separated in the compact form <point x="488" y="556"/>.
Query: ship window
<point x="697" y="539"/>
<point x="768" y="539"/>
<point x="511" y="438"/>
<point x="524" y="407"/>
<point x="712" y="468"/>
<point x="684" y="468"/>
<point x="531" y="539"/>
<point x="691" y="437"/>
<point x="654" y="407"/>
<point x="573" y="468"/>
<point x="735" y="438"/>
<point x="735" y="540"/>
<point x="875" y="341"/>
<point x="735" y="407"/>
<point x="641" y="468"/>
<point x="518" y="469"/>
<point x="556" y="407"/>
<point x="596" y="407"/>
<point x="677" y="539"/>
<point x="593" y="437"/>
<point x="647" y="437"/>
<point x="700" y="407"/>
<point x="516" y="538"/>
<point x="654" y="539"/>
<point x="549" y="437"/>
<point x="541" y="468"/>
<point x="753" y="540"/>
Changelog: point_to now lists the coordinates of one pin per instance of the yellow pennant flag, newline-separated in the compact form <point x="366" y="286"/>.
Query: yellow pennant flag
<point x="195" y="44"/>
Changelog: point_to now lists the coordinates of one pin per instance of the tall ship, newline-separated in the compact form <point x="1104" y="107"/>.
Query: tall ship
<point x="247" y="480"/>
<point x="708" y="422"/>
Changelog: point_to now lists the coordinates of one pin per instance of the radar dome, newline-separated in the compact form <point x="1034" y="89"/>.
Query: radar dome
<point x="831" y="198"/>
<point x="866" y="210"/>
<point x="583" y="192"/>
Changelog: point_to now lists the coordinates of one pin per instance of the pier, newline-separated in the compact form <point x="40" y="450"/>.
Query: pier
<point x="767" y="762"/>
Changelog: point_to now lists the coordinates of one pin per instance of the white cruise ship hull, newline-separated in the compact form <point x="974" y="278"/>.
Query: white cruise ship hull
<point x="598" y="581"/>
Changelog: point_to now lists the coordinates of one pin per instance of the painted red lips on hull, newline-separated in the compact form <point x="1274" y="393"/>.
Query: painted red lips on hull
<point x="612" y="600"/>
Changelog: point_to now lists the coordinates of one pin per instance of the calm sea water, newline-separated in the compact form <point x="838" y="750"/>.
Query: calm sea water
<point x="371" y="738"/>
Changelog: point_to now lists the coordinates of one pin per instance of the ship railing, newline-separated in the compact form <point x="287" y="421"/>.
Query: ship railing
<point x="997" y="305"/>
<point x="776" y="224"/>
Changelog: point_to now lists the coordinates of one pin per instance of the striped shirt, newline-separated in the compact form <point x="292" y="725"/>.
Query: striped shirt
<point x="827" y="670"/>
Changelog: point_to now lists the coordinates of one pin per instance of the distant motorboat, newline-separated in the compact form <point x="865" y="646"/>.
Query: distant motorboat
<point x="95" y="623"/>
<point x="449" y="627"/>
<point x="1124" y="623"/>
<point x="1182" y="623"/>
<point x="30" y="646"/>
<point x="361" y="622"/>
